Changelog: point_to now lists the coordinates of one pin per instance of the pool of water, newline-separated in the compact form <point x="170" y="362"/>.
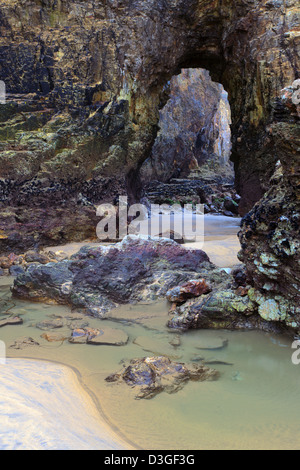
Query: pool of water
<point x="253" y="405"/>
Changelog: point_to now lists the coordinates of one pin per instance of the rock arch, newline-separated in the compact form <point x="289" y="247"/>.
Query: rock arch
<point x="105" y="63"/>
<point x="86" y="80"/>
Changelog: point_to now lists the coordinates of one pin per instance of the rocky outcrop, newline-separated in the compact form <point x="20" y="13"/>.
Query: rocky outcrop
<point x="98" y="279"/>
<point x="236" y="305"/>
<point x="216" y="197"/>
<point x="270" y="232"/>
<point x="152" y="375"/>
<point x="194" y="132"/>
<point x="86" y="81"/>
<point x="222" y="309"/>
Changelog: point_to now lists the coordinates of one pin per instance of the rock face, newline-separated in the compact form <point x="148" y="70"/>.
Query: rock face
<point x="98" y="279"/>
<point x="86" y="81"/>
<point x="152" y="375"/>
<point x="270" y="232"/>
<point x="271" y="250"/>
<point x="194" y="132"/>
<point x="215" y="196"/>
<point x="222" y="309"/>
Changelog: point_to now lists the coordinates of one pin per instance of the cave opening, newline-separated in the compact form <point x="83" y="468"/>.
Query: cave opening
<point x="190" y="161"/>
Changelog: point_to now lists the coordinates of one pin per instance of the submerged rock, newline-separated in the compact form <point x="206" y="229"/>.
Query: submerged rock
<point x="50" y="324"/>
<point x="53" y="338"/>
<point x="175" y="342"/>
<point x="155" y="346"/>
<point x="152" y="375"/>
<point x="213" y="345"/>
<point x="104" y="336"/>
<point x="217" y="363"/>
<point x="11" y="321"/>
<point x="24" y="342"/>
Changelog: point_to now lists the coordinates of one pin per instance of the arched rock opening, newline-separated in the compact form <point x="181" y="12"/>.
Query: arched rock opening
<point x="194" y="131"/>
<point x="190" y="158"/>
<point x="85" y="83"/>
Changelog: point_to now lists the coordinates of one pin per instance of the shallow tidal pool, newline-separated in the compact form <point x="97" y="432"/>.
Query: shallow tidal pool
<point x="253" y="405"/>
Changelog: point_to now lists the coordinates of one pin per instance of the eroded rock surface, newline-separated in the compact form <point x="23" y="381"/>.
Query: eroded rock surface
<point x="194" y="132"/>
<point x="152" y="375"/>
<point x="104" y="336"/>
<point x="270" y="249"/>
<point x="98" y="279"/>
<point x="85" y="82"/>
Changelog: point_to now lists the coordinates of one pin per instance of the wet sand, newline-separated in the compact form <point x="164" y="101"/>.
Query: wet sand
<point x="43" y="406"/>
<point x="220" y="241"/>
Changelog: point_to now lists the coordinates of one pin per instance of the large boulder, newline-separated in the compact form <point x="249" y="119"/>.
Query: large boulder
<point x="98" y="279"/>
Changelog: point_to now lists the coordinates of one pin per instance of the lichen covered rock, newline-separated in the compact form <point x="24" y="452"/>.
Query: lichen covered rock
<point x="225" y="309"/>
<point x="271" y="250"/>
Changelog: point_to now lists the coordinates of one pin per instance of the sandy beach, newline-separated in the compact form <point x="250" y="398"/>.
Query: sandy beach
<point x="44" y="407"/>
